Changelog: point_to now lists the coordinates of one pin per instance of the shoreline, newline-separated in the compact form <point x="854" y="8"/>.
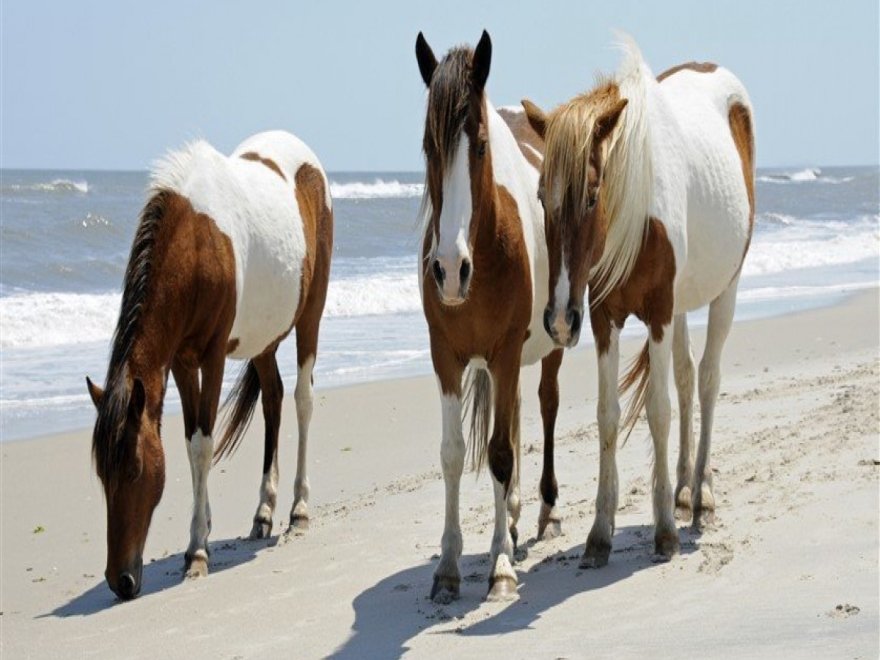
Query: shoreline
<point x="796" y="476"/>
<point x="796" y="305"/>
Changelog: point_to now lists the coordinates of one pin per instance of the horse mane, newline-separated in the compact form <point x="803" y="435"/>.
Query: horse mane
<point x="627" y="189"/>
<point x="113" y="409"/>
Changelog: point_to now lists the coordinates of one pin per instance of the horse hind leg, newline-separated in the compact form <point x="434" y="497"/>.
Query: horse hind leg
<point x="514" y="503"/>
<point x="549" y="520"/>
<point x="683" y="367"/>
<point x="272" y="390"/>
<point x="720" y="319"/>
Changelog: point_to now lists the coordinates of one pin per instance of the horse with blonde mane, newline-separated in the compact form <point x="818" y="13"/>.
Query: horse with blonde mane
<point x="231" y="253"/>
<point x="648" y="189"/>
<point x="484" y="288"/>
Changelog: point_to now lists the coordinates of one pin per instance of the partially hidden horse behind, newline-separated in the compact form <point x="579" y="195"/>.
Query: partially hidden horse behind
<point x="231" y="253"/>
<point x="649" y="190"/>
<point x="483" y="281"/>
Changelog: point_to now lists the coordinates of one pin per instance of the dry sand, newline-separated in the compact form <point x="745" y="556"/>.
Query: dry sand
<point x="789" y="569"/>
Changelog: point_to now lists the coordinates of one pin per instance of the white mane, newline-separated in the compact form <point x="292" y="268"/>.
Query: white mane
<point x="628" y="178"/>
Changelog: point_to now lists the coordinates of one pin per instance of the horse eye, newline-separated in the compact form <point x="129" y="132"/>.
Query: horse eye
<point x="481" y="150"/>
<point x="592" y="197"/>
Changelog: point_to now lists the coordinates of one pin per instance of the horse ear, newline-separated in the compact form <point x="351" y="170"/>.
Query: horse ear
<point x="426" y="59"/>
<point x="606" y="123"/>
<point x="481" y="62"/>
<point x="95" y="392"/>
<point x="537" y="118"/>
<point x="137" y="401"/>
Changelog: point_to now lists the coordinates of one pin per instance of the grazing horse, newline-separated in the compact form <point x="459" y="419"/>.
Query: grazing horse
<point x="230" y="254"/>
<point x="483" y="284"/>
<point x="648" y="188"/>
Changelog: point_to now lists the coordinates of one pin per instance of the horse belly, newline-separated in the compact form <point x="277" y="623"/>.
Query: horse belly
<point x="269" y="289"/>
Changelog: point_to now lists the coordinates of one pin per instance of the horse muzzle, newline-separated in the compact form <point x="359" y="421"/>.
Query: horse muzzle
<point x="128" y="583"/>
<point x="564" y="326"/>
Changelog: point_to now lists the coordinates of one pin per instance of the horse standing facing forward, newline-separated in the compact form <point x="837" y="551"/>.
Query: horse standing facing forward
<point x="648" y="187"/>
<point x="230" y="254"/>
<point x="483" y="282"/>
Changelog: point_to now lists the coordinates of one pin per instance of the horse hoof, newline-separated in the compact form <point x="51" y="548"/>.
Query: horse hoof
<point x="549" y="529"/>
<point x="445" y="589"/>
<point x="703" y="518"/>
<point x="683" y="504"/>
<point x="666" y="545"/>
<point x="502" y="589"/>
<point x="261" y="530"/>
<point x="198" y="568"/>
<point x="299" y="522"/>
<point x="596" y="554"/>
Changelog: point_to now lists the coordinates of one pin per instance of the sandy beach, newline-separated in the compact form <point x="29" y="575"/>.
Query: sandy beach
<point x="790" y="568"/>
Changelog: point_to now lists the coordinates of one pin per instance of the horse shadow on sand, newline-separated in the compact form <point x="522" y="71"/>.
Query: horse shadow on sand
<point x="397" y="609"/>
<point x="165" y="573"/>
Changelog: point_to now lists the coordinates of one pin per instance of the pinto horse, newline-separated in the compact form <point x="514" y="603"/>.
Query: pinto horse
<point x="230" y="255"/>
<point x="648" y="188"/>
<point x="483" y="286"/>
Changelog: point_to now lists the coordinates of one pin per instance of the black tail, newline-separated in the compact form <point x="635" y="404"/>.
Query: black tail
<point x="243" y="398"/>
<point x="637" y="375"/>
<point x="478" y="401"/>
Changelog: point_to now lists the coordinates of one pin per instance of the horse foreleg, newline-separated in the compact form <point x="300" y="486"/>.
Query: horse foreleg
<point x="504" y="368"/>
<point x="201" y="454"/>
<point x="514" y="503"/>
<point x="683" y="367"/>
<point x="549" y="520"/>
<point x="447" y="579"/>
<point x="272" y="392"/>
<point x="659" y="411"/>
<point x="720" y="319"/>
<point x="598" y="548"/>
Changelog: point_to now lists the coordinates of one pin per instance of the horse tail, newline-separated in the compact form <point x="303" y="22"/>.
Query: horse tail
<point x="636" y="375"/>
<point x="478" y="403"/>
<point x="243" y="399"/>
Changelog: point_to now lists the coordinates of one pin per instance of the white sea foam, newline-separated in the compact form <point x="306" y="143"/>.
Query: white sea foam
<point x="55" y="186"/>
<point x="811" y="248"/>
<point x="382" y="293"/>
<point x="803" y="176"/>
<point x="55" y="319"/>
<point x="377" y="189"/>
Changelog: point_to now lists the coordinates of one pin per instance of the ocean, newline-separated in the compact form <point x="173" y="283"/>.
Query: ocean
<point x="65" y="238"/>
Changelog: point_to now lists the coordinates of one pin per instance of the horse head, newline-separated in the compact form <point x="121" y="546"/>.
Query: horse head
<point x="459" y="184"/>
<point x="578" y="139"/>
<point x="131" y="465"/>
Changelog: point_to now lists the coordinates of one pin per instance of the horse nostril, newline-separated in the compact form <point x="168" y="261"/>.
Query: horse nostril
<point x="465" y="271"/>
<point x="547" y="314"/>
<point x="574" y="321"/>
<point x="439" y="273"/>
<point x="126" y="587"/>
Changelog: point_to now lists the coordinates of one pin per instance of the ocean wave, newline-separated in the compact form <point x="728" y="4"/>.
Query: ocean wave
<point x="803" y="176"/>
<point x="57" y="319"/>
<point x="767" y="293"/>
<point x="813" y="250"/>
<point x="375" y="190"/>
<point x="382" y="293"/>
<point x="55" y="186"/>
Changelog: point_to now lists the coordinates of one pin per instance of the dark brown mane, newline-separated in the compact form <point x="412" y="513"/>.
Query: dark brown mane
<point x="114" y="405"/>
<point x="448" y="104"/>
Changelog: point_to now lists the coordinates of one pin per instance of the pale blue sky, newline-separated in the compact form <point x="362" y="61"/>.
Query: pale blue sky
<point x="114" y="84"/>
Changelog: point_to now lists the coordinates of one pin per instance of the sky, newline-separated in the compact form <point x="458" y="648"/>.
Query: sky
<point x="113" y="85"/>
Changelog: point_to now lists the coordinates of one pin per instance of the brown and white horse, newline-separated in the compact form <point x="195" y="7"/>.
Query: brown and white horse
<point x="648" y="187"/>
<point x="230" y="254"/>
<point x="484" y="287"/>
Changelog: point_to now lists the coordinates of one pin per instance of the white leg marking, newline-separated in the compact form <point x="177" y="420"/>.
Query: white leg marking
<point x="452" y="452"/>
<point x="683" y="366"/>
<point x="608" y="414"/>
<point x="659" y="415"/>
<point x="503" y="577"/>
<point x="514" y="503"/>
<point x="299" y="513"/>
<point x="201" y="452"/>
<point x="720" y="318"/>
